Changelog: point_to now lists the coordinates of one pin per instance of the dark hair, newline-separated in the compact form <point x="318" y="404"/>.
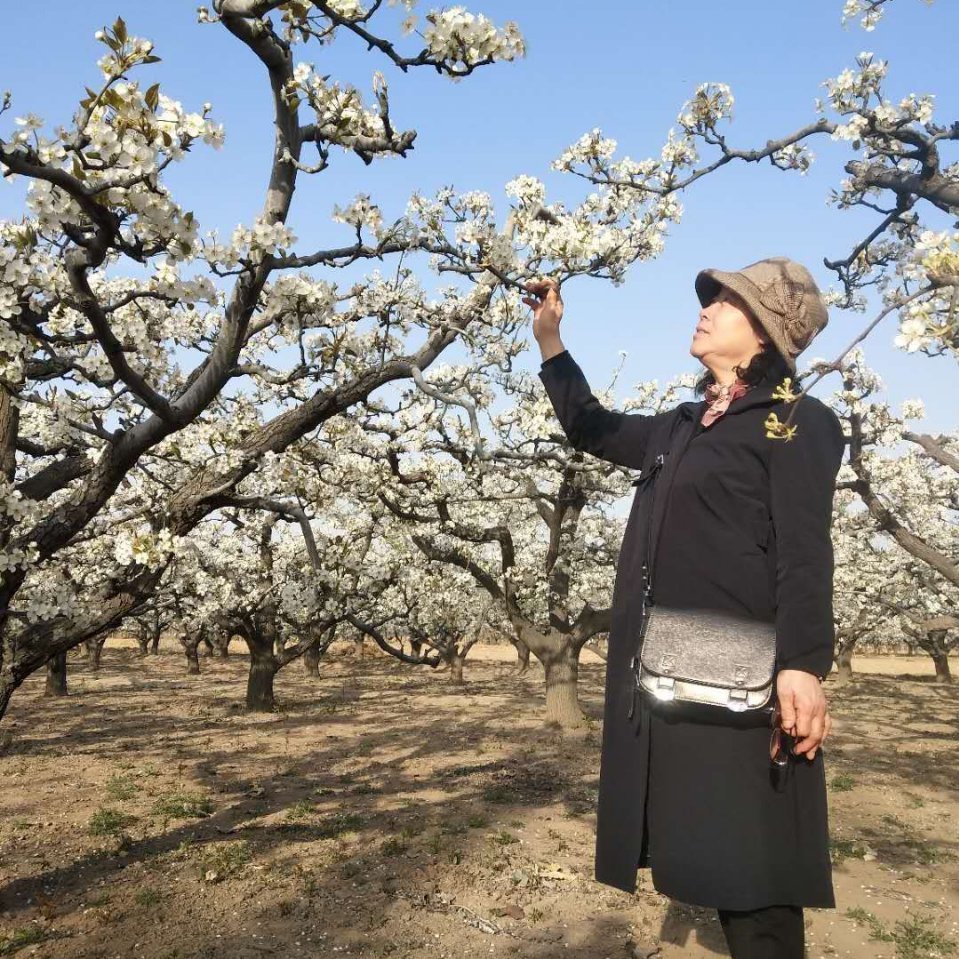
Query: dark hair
<point x="766" y="366"/>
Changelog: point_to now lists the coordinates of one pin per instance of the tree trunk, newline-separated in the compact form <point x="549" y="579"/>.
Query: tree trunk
<point x="311" y="661"/>
<point x="456" y="660"/>
<point x="192" y="656"/>
<point x="222" y="644"/>
<point x="941" y="658"/>
<point x="155" y="645"/>
<point x="56" y="676"/>
<point x="143" y="641"/>
<point x="562" y="674"/>
<point x="934" y="643"/>
<point x="8" y="686"/>
<point x="844" y="662"/>
<point x="522" y="656"/>
<point x="263" y="669"/>
<point x="91" y="651"/>
<point x="259" y="685"/>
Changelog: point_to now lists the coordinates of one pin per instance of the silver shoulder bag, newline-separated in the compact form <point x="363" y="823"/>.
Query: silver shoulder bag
<point x="707" y="656"/>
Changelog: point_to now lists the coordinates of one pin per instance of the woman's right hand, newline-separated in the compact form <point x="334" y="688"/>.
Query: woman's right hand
<point x="547" y="306"/>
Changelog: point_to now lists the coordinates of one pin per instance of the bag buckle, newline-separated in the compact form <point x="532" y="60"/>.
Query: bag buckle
<point x="736" y="700"/>
<point x="665" y="688"/>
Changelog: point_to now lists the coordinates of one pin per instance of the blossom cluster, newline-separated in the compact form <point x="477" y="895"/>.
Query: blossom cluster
<point x="341" y="114"/>
<point x="251" y="243"/>
<point x="125" y="138"/>
<point x="462" y="39"/>
<point x="144" y="547"/>
<point x="869" y="11"/>
<point x="362" y="211"/>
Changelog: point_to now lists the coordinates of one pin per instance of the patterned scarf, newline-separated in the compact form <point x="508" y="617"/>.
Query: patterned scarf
<point x="718" y="399"/>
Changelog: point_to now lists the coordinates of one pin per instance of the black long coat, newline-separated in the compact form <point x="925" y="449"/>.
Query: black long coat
<point x="742" y="523"/>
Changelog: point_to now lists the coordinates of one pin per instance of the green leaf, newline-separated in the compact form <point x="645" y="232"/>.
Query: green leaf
<point x="151" y="59"/>
<point x="152" y="96"/>
<point x="120" y="29"/>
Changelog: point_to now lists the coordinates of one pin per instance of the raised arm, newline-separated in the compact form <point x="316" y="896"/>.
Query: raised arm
<point x="619" y="438"/>
<point x="589" y="426"/>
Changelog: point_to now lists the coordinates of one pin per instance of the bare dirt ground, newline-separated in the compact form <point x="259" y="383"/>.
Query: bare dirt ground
<point x="384" y="812"/>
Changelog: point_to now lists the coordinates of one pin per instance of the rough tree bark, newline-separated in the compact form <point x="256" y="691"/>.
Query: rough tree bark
<point x="844" y="651"/>
<point x="263" y="669"/>
<point x="56" y="684"/>
<point x="931" y="637"/>
<point x="562" y="675"/>
<point x="939" y="651"/>
<point x="522" y="656"/>
<point x="94" y="647"/>
<point x="222" y="643"/>
<point x="190" y="647"/>
<point x="455" y="658"/>
<point x="311" y="661"/>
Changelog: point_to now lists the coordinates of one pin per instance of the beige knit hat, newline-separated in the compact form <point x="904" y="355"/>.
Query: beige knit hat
<point x="783" y="297"/>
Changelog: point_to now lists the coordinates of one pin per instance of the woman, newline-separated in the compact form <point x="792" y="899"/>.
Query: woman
<point x="741" y="522"/>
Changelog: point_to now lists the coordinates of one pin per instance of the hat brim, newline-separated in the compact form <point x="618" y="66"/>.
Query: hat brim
<point x="709" y="281"/>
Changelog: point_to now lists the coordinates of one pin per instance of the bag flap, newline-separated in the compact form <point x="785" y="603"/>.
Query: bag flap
<point x="709" y="646"/>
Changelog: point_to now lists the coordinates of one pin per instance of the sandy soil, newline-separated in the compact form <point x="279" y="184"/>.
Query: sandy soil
<point x="384" y="812"/>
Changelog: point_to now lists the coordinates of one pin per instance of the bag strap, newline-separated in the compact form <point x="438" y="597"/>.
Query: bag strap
<point x="656" y="468"/>
<point x="650" y="477"/>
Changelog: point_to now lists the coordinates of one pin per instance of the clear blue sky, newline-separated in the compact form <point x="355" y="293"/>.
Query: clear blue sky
<point x="622" y="65"/>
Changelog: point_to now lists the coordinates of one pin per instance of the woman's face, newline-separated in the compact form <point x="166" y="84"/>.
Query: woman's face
<point x="727" y="333"/>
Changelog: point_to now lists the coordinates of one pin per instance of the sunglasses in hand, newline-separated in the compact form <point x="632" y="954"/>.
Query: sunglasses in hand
<point x="780" y="742"/>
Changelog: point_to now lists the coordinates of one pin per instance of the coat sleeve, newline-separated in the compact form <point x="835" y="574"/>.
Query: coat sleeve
<point x="616" y="437"/>
<point x="803" y="483"/>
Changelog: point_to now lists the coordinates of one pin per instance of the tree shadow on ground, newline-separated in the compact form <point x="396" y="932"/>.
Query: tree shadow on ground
<point x="917" y="746"/>
<point x="380" y="811"/>
<point x="376" y="810"/>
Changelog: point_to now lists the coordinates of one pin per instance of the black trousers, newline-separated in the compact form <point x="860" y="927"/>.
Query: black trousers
<point x="772" y="932"/>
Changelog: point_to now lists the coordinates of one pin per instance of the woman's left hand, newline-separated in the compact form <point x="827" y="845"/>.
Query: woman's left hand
<point x="805" y="715"/>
